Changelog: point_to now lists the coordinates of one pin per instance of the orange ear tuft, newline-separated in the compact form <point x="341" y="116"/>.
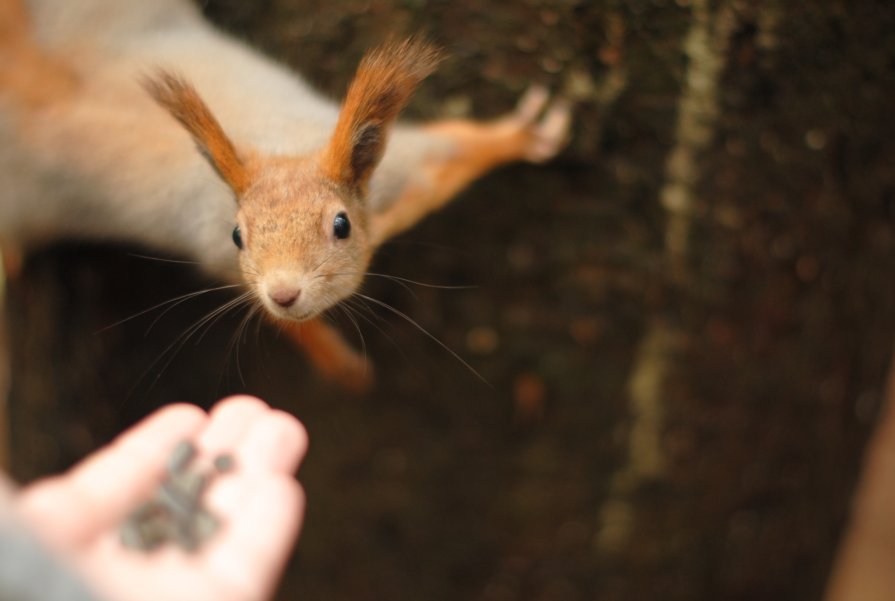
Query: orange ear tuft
<point x="381" y="88"/>
<point x="182" y="100"/>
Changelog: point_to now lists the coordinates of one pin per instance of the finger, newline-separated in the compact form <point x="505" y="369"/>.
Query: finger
<point x="261" y="505"/>
<point x="97" y="493"/>
<point x="228" y="423"/>
<point x="262" y="516"/>
<point x="276" y="442"/>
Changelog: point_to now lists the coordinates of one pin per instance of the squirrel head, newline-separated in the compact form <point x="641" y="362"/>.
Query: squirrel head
<point x="302" y="222"/>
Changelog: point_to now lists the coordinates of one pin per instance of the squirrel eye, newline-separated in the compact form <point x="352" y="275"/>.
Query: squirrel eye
<point x="341" y="226"/>
<point x="237" y="237"/>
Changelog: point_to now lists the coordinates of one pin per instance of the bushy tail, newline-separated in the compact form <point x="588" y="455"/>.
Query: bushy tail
<point x="27" y="73"/>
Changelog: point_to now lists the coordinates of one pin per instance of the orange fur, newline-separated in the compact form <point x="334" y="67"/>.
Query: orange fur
<point x="381" y="88"/>
<point x="14" y="23"/>
<point x="480" y="147"/>
<point x="182" y="100"/>
<point x="477" y="148"/>
<point x="35" y="77"/>
<point x="331" y="355"/>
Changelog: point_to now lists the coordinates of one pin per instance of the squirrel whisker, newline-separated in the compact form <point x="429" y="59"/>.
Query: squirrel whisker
<point x="163" y="260"/>
<point x="255" y="309"/>
<point x="208" y="319"/>
<point x="176" y="301"/>
<point x="346" y="311"/>
<point x="426" y="332"/>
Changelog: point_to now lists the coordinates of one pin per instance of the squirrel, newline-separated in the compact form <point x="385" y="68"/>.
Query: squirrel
<point x="140" y="122"/>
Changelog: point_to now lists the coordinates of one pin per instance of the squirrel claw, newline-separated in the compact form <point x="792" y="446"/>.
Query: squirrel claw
<point x="354" y="374"/>
<point x="532" y="104"/>
<point x="546" y="124"/>
<point x="551" y="133"/>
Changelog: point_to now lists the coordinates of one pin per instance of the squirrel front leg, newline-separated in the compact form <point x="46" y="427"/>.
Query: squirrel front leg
<point x="530" y="133"/>
<point x="331" y="354"/>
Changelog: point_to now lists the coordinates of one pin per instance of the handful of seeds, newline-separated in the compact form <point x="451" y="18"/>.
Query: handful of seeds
<point x="175" y="514"/>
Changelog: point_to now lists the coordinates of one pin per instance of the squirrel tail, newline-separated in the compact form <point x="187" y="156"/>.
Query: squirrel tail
<point x="28" y="74"/>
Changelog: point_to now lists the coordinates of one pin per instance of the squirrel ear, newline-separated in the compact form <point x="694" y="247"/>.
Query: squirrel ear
<point x="181" y="99"/>
<point x="381" y="88"/>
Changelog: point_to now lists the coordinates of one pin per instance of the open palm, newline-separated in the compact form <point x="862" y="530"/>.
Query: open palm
<point x="259" y="504"/>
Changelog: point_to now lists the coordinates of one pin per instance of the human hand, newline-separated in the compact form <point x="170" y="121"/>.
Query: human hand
<point x="259" y="503"/>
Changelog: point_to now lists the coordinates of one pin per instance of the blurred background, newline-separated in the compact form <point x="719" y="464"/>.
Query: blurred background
<point x="683" y="323"/>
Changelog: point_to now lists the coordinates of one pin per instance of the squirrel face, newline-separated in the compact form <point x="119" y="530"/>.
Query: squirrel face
<point x="302" y="238"/>
<point x="302" y="221"/>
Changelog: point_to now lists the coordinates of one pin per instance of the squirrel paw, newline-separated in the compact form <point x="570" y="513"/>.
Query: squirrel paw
<point x="353" y="373"/>
<point x="546" y="124"/>
<point x="331" y="355"/>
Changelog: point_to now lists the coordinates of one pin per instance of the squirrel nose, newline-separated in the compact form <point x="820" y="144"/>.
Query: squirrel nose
<point x="284" y="296"/>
